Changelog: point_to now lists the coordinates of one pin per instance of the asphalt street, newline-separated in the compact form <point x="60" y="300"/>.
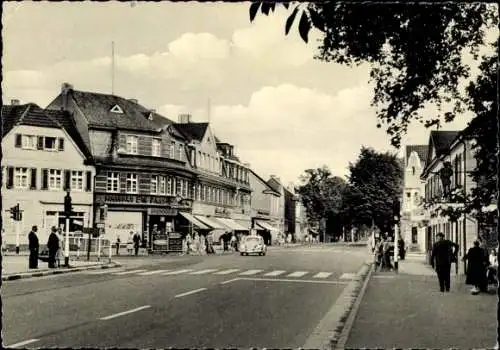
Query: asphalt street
<point x="212" y="301"/>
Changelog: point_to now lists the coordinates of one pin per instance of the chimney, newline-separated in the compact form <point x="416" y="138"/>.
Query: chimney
<point x="65" y="88"/>
<point x="133" y="100"/>
<point x="185" y="118"/>
<point x="14" y="102"/>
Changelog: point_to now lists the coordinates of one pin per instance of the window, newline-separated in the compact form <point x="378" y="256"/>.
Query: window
<point x="131" y="183"/>
<point x="113" y="182"/>
<point x="179" y="186"/>
<point x="154" y="184"/>
<point x="131" y="144"/>
<point x="156" y="148"/>
<point x="55" y="179"/>
<point x="181" y="151"/>
<point x="50" y="143"/>
<point x="29" y="142"/>
<point x="61" y="144"/>
<point x="116" y="109"/>
<point x="77" y="180"/>
<point x="198" y="159"/>
<point x="198" y="192"/>
<point x="21" y="178"/>
<point x="413" y="170"/>
<point x="416" y="198"/>
<point x="414" y="235"/>
<point x="185" y="188"/>
<point x="162" y="185"/>
<point x="172" y="150"/>
<point x="169" y="186"/>
<point x="408" y="194"/>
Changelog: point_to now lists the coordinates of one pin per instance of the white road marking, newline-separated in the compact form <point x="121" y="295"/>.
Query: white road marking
<point x="294" y="280"/>
<point x="176" y="272"/>
<point x="190" y="292"/>
<point x="230" y="281"/>
<point x="202" y="272"/>
<point x="297" y="274"/>
<point x="322" y="275"/>
<point x="275" y="273"/>
<point x="226" y="272"/>
<point x="22" y="343"/>
<point x="347" y="276"/>
<point x="250" y="272"/>
<point x="125" y="313"/>
<point x="154" y="272"/>
<point x="128" y="272"/>
<point x="102" y="271"/>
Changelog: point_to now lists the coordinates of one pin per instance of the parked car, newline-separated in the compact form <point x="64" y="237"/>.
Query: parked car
<point x="252" y="245"/>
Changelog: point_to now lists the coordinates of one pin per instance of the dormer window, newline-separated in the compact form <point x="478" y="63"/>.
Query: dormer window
<point x="413" y="170"/>
<point x="116" y="109"/>
<point x="150" y="117"/>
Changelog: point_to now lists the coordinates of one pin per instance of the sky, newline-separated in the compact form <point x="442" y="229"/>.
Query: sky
<point x="261" y="90"/>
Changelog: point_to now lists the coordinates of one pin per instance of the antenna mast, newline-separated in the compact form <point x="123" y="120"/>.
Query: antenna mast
<point x="112" y="68"/>
<point x="208" y="110"/>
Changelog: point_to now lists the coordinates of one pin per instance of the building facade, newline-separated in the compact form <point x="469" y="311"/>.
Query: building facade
<point x="143" y="176"/>
<point x="277" y="186"/>
<point x="43" y="158"/>
<point x="265" y="208"/>
<point x="449" y="148"/>
<point x="412" y="209"/>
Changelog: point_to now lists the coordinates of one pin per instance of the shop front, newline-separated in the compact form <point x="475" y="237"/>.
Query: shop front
<point x="267" y="230"/>
<point x="149" y="215"/>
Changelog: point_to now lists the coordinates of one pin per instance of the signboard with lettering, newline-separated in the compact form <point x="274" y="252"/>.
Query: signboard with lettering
<point x="144" y="199"/>
<point x="121" y="223"/>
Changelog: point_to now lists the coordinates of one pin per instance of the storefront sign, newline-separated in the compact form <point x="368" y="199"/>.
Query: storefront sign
<point x="163" y="212"/>
<point x="123" y="198"/>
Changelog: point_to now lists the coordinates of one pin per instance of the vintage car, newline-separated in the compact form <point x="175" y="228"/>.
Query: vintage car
<point x="252" y="245"/>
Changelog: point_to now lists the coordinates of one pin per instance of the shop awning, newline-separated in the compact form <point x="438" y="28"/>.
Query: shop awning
<point x="233" y="225"/>
<point x="211" y="223"/>
<point x="195" y="221"/>
<point x="266" y="226"/>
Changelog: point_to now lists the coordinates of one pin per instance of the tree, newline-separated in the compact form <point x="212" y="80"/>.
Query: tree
<point x="415" y="50"/>
<point x="322" y="193"/>
<point x="375" y="182"/>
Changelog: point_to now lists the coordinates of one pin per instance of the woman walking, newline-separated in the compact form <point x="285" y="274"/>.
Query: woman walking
<point x="476" y="268"/>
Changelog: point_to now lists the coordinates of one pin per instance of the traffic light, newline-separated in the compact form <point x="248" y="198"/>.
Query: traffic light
<point x="15" y="213"/>
<point x="68" y="207"/>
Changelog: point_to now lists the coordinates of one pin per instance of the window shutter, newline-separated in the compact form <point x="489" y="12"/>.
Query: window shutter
<point x="10" y="177"/>
<point x="40" y="142"/>
<point x="88" y="182"/>
<point x="19" y="140"/>
<point x="33" y="179"/>
<point x="67" y="180"/>
<point x="61" y="144"/>
<point x="45" y="179"/>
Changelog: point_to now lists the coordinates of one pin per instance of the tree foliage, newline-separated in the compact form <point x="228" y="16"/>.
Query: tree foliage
<point x="321" y="193"/>
<point x="415" y="50"/>
<point x="375" y="182"/>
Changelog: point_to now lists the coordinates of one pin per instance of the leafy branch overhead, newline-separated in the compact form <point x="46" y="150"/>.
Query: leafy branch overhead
<point x="414" y="49"/>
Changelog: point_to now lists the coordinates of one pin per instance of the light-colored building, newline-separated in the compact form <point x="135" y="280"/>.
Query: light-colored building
<point x="43" y="157"/>
<point x="277" y="186"/>
<point x="452" y="147"/>
<point x="412" y="209"/>
<point x="265" y="208"/>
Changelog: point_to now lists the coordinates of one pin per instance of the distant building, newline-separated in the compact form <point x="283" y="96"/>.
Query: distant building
<point x="43" y="157"/>
<point x="265" y="208"/>
<point x="277" y="186"/>
<point x="412" y="225"/>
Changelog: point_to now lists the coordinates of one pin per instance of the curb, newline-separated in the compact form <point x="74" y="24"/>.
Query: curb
<point x="25" y="275"/>
<point x="343" y="334"/>
<point x="328" y="331"/>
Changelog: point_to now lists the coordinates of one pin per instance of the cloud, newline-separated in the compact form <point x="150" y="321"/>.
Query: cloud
<point x="286" y="129"/>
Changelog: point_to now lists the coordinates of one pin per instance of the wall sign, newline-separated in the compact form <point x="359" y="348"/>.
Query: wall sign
<point x="124" y="198"/>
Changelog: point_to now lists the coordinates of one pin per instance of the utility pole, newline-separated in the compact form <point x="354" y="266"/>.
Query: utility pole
<point x="397" y="216"/>
<point x="112" y="68"/>
<point x="68" y="209"/>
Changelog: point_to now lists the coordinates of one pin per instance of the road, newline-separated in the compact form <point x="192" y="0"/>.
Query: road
<point x="224" y="301"/>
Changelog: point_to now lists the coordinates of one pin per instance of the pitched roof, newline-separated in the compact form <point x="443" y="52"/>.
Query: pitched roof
<point x="27" y="114"/>
<point x="275" y="185"/>
<point x="192" y="131"/>
<point x="264" y="182"/>
<point x="163" y="122"/>
<point x="442" y="140"/>
<point x="96" y="107"/>
<point x="420" y="149"/>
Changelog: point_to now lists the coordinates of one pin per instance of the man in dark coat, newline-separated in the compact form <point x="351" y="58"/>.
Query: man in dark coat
<point x="442" y="256"/>
<point x="476" y="269"/>
<point x="53" y="246"/>
<point x="33" y="246"/>
<point x="137" y="242"/>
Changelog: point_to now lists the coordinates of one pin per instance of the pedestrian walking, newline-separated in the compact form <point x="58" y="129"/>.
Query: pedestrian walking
<point x="444" y="252"/>
<point x="388" y="252"/>
<point x="33" y="246"/>
<point x="137" y="243"/>
<point x="233" y="242"/>
<point x="493" y="268"/>
<point x="401" y="248"/>
<point x="61" y="243"/>
<point x="130" y="243"/>
<point x="118" y="245"/>
<point x="53" y="247"/>
<point x="476" y="269"/>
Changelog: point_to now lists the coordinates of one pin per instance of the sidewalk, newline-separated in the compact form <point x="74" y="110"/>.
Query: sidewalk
<point x="406" y="310"/>
<point x="16" y="267"/>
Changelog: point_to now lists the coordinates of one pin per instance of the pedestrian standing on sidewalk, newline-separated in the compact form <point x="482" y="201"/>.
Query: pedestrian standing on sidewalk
<point x="476" y="268"/>
<point x="441" y="258"/>
<point x="137" y="243"/>
<point x="118" y="245"/>
<point x="53" y="247"/>
<point x="33" y="246"/>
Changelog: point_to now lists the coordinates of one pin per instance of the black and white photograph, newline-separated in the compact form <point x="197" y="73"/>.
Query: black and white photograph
<point x="249" y="175"/>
